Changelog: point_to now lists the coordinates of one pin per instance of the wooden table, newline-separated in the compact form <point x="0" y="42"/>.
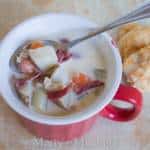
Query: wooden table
<point x="105" y="134"/>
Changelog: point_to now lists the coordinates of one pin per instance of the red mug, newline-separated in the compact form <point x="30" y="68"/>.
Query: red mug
<point x="71" y="131"/>
<point x="71" y="126"/>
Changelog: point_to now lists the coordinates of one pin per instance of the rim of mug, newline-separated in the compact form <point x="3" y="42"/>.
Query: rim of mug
<point x="80" y="116"/>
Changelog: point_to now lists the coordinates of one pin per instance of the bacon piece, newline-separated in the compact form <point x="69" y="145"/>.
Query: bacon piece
<point x="19" y="82"/>
<point x="90" y="85"/>
<point x="63" y="55"/>
<point x="26" y="66"/>
<point x="55" y="95"/>
<point x="35" y="76"/>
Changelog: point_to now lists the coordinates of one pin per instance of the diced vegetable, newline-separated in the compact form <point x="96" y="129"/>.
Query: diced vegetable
<point x="80" y="79"/>
<point x="39" y="100"/>
<point x="24" y="89"/>
<point x="22" y="55"/>
<point x="63" y="55"/>
<point x="54" y="107"/>
<point x="35" y="45"/>
<point x="69" y="100"/>
<point x="61" y="75"/>
<point x="44" y="57"/>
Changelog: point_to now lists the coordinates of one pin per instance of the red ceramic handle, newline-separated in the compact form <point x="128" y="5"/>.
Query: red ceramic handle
<point x="126" y="94"/>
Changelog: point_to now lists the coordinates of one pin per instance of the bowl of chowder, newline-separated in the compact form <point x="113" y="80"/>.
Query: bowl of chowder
<point x="60" y="93"/>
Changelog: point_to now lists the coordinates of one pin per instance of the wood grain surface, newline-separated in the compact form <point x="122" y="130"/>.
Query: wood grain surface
<point x="105" y="134"/>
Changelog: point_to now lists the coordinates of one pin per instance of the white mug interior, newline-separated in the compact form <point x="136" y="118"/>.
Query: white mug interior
<point x="41" y="27"/>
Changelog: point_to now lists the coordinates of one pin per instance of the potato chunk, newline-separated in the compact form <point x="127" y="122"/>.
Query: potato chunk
<point x="44" y="57"/>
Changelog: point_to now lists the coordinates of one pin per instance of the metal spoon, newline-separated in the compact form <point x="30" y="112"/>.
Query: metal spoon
<point x="137" y="14"/>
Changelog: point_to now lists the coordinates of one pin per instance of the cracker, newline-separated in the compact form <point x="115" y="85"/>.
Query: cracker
<point x="126" y="28"/>
<point x="134" y="40"/>
<point x="137" y="69"/>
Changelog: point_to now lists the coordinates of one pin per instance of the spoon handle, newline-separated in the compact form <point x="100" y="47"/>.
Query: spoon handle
<point x="137" y="14"/>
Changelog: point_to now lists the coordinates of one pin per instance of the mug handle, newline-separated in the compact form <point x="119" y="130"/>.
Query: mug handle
<point x="125" y="94"/>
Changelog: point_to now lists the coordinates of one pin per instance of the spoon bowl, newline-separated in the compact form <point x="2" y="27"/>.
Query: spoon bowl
<point x="12" y="61"/>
